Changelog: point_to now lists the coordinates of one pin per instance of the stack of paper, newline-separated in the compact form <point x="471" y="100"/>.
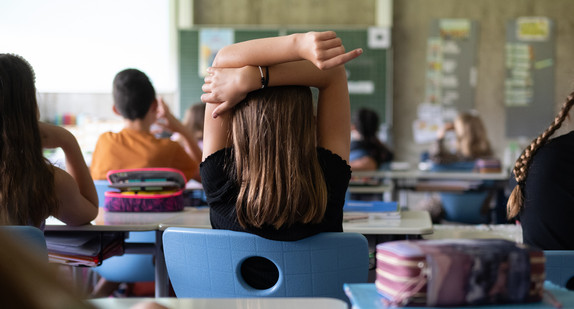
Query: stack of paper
<point x="83" y="248"/>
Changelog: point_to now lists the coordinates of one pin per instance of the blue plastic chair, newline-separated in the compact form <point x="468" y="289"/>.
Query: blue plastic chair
<point x="207" y="263"/>
<point x="463" y="207"/>
<point x="31" y="237"/>
<point x="128" y="267"/>
<point x="559" y="267"/>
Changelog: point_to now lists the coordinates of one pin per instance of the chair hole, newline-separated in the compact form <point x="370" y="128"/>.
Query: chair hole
<point x="259" y="273"/>
<point x="570" y="284"/>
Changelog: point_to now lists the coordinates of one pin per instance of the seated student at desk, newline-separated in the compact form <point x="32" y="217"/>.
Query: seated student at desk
<point x="471" y="144"/>
<point x="368" y="153"/>
<point x="135" y="146"/>
<point x="543" y="196"/>
<point x="269" y="168"/>
<point x="31" y="189"/>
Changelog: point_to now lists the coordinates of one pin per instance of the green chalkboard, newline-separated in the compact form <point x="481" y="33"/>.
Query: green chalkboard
<point x="368" y="82"/>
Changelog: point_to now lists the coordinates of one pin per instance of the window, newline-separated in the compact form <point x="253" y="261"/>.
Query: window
<point x="79" y="46"/>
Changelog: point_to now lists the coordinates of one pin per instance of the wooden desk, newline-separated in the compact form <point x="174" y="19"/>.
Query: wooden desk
<point x="401" y="181"/>
<point x="510" y="232"/>
<point x="418" y="174"/>
<point x="227" y="303"/>
<point x="411" y="223"/>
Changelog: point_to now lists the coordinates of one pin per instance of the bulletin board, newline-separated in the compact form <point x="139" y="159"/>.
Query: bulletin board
<point x="368" y="75"/>
<point x="451" y="64"/>
<point x="529" y="83"/>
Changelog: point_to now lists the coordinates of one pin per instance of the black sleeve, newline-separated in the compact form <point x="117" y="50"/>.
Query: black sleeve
<point x="216" y="178"/>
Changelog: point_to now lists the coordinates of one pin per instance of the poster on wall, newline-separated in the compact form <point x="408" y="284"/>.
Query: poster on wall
<point x="211" y="40"/>
<point x="451" y="68"/>
<point x="529" y="81"/>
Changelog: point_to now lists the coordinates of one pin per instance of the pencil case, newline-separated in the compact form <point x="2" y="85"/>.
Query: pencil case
<point x="145" y="190"/>
<point x="458" y="272"/>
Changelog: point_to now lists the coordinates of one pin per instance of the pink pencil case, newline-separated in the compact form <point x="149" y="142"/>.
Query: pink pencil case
<point x="145" y="190"/>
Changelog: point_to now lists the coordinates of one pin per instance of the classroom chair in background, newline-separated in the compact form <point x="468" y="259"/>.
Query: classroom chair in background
<point x="464" y="207"/>
<point x="207" y="263"/>
<point x="559" y="267"/>
<point x="31" y="237"/>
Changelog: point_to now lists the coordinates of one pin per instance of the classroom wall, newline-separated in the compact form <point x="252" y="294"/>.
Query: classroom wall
<point x="411" y="19"/>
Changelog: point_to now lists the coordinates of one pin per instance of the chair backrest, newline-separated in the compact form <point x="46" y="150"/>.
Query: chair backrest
<point x="464" y="207"/>
<point x="28" y="236"/>
<point x="207" y="263"/>
<point x="101" y="187"/>
<point x="559" y="267"/>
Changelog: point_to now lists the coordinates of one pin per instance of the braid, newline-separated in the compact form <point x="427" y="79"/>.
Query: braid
<point x="516" y="199"/>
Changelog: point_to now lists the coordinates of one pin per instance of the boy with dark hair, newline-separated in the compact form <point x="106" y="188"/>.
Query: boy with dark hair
<point x="135" y="146"/>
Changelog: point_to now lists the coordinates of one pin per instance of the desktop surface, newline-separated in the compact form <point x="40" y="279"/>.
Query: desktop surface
<point x="227" y="303"/>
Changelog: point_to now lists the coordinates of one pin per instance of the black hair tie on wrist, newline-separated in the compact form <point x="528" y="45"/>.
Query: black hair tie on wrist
<point x="264" y="81"/>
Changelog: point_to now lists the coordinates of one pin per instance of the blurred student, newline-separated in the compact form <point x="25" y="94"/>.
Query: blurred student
<point x="193" y="120"/>
<point x="30" y="282"/>
<point x="368" y="153"/>
<point x="31" y="189"/>
<point x="471" y="144"/>
<point x="471" y="141"/>
<point x="543" y="195"/>
<point x="135" y="146"/>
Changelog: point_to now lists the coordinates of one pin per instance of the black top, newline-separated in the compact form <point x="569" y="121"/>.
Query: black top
<point x="221" y="191"/>
<point x="548" y="215"/>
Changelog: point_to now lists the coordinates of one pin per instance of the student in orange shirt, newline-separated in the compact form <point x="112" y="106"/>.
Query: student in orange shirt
<point x="135" y="146"/>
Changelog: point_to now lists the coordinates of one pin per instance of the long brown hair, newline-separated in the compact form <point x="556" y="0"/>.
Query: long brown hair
<point x="473" y="141"/>
<point x="27" y="190"/>
<point x="516" y="199"/>
<point x="280" y="178"/>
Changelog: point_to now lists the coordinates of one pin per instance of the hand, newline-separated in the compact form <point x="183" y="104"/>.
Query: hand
<point x="165" y="118"/>
<point x="228" y="86"/>
<point x="449" y="126"/>
<point x="325" y="50"/>
<point x="53" y="136"/>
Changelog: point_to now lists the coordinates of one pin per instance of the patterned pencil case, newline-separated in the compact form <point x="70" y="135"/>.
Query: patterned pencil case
<point x="458" y="272"/>
<point x="145" y="190"/>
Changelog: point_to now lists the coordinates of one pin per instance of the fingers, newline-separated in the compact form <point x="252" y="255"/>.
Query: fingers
<point x="220" y="109"/>
<point x="340" y="59"/>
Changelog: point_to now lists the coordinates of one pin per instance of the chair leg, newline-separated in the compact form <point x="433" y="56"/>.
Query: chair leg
<point x="104" y="288"/>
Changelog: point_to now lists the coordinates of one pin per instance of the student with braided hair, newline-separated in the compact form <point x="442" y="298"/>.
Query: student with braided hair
<point x="543" y="195"/>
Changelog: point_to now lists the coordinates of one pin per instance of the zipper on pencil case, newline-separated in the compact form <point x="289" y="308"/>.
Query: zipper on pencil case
<point x="397" y="278"/>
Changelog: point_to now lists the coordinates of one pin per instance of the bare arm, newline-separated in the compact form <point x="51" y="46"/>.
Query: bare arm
<point x="189" y="141"/>
<point x="310" y="59"/>
<point x="75" y="188"/>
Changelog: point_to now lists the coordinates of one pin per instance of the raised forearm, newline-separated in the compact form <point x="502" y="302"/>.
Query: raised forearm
<point x="263" y="52"/>
<point x="77" y="168"/>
